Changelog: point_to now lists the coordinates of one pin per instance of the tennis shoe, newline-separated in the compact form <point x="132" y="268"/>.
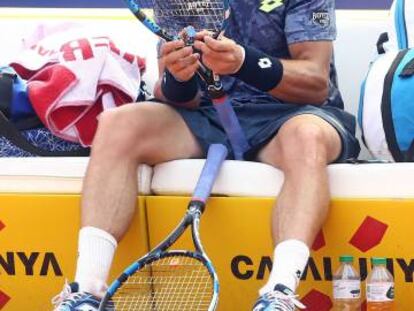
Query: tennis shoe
<point x="280" y="299"/>
<point x="71" y="299"/>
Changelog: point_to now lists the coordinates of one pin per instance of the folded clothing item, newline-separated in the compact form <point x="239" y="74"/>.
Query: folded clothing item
<point x="73" y="75"/>
<point x="21" y="132"/>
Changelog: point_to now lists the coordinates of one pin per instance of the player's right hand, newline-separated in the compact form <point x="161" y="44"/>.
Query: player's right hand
<point x="180" y="60"/>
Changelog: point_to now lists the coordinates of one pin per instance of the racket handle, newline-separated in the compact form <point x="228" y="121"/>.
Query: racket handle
<point x="231" y="125"/>
<point x="216" y="155"/>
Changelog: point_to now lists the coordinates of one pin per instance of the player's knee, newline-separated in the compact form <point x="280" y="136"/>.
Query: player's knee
<point x="108" y="119"/>
<point x="116" y="132"/>
<point x="304" y="145"/>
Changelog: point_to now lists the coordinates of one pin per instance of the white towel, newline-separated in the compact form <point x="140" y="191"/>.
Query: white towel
<point x="75" y="74"/>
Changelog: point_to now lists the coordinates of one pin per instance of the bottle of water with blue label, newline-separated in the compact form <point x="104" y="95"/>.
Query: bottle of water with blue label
<point x="346" y="286"/>
<point x="380" y="287"/>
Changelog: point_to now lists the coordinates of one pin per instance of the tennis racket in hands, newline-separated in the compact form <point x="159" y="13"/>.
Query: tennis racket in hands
<point x="174" y="280"/>
<point x="212" y="15"/>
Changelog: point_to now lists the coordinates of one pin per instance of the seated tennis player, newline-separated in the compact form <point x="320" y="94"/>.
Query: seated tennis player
<point x="276" y="59"/>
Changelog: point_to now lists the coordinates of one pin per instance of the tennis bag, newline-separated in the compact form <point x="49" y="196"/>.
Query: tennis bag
<point x="21" y="132"/>
<point x="401" y="28"/>
<point x="386" y="109"/>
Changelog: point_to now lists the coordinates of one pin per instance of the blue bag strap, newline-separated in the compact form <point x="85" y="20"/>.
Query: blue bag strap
<point x="401" y="25"/>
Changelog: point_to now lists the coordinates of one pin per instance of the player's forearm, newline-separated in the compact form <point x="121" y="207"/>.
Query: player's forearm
<point x="303" y="82"/>
<point x="300" y="81"/>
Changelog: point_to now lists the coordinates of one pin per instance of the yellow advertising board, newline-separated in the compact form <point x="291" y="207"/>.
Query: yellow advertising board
<point x="38" y="245"/>
<point x="236" y="235"/>
<point x="38" y="238"/>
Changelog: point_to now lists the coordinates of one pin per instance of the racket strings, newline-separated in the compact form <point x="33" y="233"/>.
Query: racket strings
<point x="171" y="283"/>
<point x="175" y="15"/>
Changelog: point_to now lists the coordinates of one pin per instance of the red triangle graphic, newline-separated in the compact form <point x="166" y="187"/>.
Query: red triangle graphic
<point x="3" y="299"/>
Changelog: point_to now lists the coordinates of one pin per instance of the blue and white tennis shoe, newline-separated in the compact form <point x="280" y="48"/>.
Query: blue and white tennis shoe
<point x="71" y="299"/>
<point x="280" y="299"/>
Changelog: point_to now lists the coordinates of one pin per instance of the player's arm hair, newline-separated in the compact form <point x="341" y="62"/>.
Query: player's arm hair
<point x="305" y="77"/>
<point x="159" y="94"/>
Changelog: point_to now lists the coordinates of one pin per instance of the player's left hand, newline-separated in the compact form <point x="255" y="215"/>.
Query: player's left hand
<point x="222" y="56"/>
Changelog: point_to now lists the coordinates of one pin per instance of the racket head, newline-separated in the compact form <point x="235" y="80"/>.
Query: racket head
<point x="175" y="15"/>
<point x="172" y="280"/>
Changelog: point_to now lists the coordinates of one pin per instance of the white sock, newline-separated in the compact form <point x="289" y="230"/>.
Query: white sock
<point x="289" y="261"/>
<point x="96" y="250"/>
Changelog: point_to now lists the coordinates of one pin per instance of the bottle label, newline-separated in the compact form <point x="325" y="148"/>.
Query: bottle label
<point x="382" y="291"/>
<point x="346" y="289"/>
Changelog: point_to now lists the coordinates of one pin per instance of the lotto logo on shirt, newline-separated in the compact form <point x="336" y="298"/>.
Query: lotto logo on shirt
<point x="270" y="5"/>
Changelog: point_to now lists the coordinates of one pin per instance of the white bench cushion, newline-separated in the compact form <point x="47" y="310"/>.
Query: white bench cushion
<point x="53" y="175"/>
<point x="250" y="179"/>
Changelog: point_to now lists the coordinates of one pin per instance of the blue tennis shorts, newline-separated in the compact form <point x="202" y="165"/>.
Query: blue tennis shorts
<point x="261" y="122"/>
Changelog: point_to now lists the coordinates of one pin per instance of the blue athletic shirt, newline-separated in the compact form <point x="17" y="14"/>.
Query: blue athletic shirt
<point x="270" y="26"/>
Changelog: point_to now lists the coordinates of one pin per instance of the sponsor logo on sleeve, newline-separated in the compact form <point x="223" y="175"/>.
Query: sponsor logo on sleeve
<point x="321" y="18"/>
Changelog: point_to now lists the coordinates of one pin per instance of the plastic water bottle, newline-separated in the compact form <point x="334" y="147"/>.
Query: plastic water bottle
<point x="346" y="286"/>
<point x="380" y="287"/>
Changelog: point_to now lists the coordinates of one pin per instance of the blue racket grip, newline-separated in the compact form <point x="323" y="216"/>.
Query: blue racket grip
<point x="216" y="155"/>
<point x="230" y="122"/>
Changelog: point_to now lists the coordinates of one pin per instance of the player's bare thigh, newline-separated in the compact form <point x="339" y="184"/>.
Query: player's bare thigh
<point x="152" y="132"/>
<point x="295" y="134"/>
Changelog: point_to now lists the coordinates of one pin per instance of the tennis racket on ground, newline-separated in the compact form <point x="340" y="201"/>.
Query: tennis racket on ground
<point x="176" y="15"/>
<point x="173" y="280"/>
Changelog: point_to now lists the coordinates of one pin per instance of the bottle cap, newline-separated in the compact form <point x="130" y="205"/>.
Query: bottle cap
<point x="346" y="258"/>
<point x="379" y="261"/>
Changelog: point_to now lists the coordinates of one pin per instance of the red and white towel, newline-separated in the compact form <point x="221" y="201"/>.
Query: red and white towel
<point x="73" y="76"/>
